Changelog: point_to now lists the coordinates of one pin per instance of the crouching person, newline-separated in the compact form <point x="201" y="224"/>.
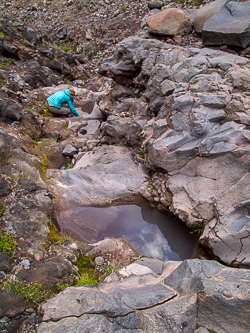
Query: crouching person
<point x="55" y="103"/>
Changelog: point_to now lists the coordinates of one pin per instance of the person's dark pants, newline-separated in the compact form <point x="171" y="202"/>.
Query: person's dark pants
<point x="63" y="111"/>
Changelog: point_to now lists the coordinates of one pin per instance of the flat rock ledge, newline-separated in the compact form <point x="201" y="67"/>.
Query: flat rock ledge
<point x="192" y="296"/>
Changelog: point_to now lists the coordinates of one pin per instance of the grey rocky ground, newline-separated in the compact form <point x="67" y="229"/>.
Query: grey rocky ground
<point x="157" y="120"/>
<point x="196" y="294"/>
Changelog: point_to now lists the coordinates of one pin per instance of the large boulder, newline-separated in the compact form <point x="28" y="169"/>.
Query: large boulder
<point x="170" y="21"/>
<point x="198" y="136"/>
<point x="99" y="177"/>
<point x="230" y="26"/>
<point x="37" y="75"/>
<point x="205" y="12"/>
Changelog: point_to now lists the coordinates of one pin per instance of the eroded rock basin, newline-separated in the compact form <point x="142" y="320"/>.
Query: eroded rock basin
<point x="148" y="230"/>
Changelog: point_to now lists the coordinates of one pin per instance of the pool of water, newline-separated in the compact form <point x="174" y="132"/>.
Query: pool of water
<point x="148" y="230"/>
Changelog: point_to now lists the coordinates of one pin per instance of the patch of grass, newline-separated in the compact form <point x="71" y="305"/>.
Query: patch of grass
<point x="142" y="152"/>
<point x="5" y="63"/>
<point x="86" y="48"/>
<point x="109" y="268"/>
<point x="7" y="244"/>
<point x="87" y="270"/>
<point x="69" y="82"/>
<point x="65" y="48"/>
<point x="28" y="16"/>
<point x="196" y="3"/>
<point x="70" y="165"/>
<point x="62" y="286"/>
<point x="36" y="143"/>
<point x="87" y="279"/>
<point x="85" y="263"/>
<point x="31" y="291"/>
<point x="15" y="23"/>
<point x="2" y="209"/>
<point x="123" y="9"/>
<point x="31" y="110"/>
<point x="198" y="231"/>
<point x="89" y="55"/>
<point x="1" y="34"/>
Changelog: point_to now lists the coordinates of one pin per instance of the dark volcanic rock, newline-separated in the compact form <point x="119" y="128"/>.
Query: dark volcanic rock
<point x="155" y="4"/>
<point x="5" y="262"/>
<point x="12" y="305"/>
<point x="4" y="187"/>
<point x="230" y="26"/>
<point x="8" y="50"/>
<point x="10" y="110"/>
<point x="49" y="272"/>
<point x="38" y="75"/>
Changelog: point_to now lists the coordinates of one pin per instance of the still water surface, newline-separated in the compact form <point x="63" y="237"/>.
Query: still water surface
<point x="148" y="230"/>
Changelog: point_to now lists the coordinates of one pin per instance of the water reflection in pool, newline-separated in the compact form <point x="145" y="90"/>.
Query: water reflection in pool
<point x="146" y="229"/>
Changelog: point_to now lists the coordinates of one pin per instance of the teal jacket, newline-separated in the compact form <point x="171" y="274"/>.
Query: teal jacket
<point x="62" y="97"/>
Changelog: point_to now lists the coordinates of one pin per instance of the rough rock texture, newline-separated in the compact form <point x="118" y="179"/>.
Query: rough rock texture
<point x="14" y="310"/>
<point x="195" y="294"/>
<point x="108" y="174"/>
<point x="198" y="135"/>
<point x="230" y="26"/>
<point x="205" y="12"/>
<point x="27" y="214"/>
<point x="10" y="111"/>
<point x="171" y="22"/>
<point x="49" y="272"/>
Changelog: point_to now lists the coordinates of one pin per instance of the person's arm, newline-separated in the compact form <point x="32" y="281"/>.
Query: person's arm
<point x="72" y="108"/>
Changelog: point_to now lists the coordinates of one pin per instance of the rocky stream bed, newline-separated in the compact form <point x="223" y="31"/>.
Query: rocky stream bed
<point x="164" y="118"/>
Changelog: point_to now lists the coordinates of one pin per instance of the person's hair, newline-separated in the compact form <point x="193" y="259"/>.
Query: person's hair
<point x="72" y="91"/>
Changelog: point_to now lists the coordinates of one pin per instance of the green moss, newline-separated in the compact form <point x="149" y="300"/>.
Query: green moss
<point x="85" y="263"/>
<point x="53" y="235"/>
<point x="1" y="34"/>
<point x="87" y="270"/>
<point x="87" y="279"/>
<point x="6" y="243"/>
<point x="65" y="49"/>
<point x="45" y="164"/>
